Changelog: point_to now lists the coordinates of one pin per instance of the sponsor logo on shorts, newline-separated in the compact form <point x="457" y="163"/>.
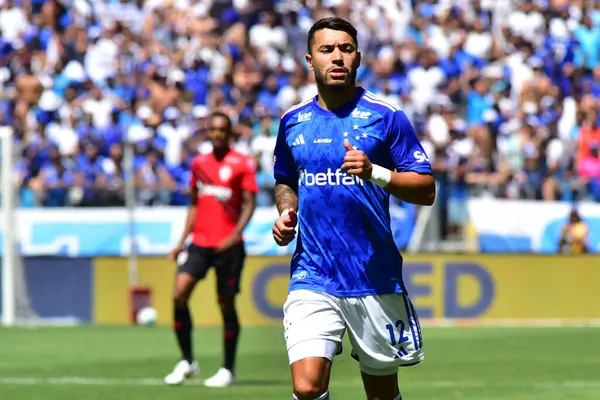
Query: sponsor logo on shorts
<point x="299" y="275"/>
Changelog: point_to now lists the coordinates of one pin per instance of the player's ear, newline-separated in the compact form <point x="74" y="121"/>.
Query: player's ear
<point x="308" y="58"/>
<point x="358" y="59"/>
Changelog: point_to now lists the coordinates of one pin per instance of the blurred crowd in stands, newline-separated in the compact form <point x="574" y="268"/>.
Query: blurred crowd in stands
<point x="504" y="94"/>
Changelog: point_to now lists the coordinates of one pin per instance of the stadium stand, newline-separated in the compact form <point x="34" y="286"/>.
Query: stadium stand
<point x="504" y="94"/>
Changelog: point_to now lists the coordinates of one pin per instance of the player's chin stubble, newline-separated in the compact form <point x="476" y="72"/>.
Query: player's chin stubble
<point x="332" y="84"/>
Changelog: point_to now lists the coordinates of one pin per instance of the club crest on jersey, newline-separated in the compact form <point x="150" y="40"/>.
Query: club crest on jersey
<point x="360" y="114"/>
<point x="225" y="173"/>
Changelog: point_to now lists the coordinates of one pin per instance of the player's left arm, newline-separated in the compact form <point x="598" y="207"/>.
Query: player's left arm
<point x="249" y="190"/>
<point x="412" y="181"/>
<point x="248" y="207"/>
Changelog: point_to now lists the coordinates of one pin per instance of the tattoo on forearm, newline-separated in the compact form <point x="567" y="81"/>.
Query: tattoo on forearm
<point x="285" y="197"/>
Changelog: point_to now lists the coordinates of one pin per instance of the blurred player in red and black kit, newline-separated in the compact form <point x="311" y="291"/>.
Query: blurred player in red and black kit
<point x="223" y="190"/>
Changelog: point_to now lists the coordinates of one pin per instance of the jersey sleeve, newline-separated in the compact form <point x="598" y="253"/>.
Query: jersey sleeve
<point x="284" y="167"/>
<point x="407" y="153"/>
<point x="249" y="183"/>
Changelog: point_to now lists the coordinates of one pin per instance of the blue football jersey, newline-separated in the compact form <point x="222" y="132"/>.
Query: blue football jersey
<point x="345" y="245"/>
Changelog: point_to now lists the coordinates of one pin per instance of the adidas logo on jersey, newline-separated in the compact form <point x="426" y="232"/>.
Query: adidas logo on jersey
<point x="329" y="178"/>
<point x="299" y="140"/>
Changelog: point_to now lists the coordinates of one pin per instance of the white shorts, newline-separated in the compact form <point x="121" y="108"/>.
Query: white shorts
<point x="384" y="330"/>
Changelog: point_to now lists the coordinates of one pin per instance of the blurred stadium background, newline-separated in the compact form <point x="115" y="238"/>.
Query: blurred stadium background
<point x="106" y="101"/>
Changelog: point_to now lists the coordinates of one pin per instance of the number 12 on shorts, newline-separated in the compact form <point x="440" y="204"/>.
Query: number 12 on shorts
<point x="399" y="325"/>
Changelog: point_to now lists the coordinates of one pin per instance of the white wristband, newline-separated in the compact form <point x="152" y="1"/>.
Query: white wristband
<point x="380" y="176"/>
<point x="284" y="212"/>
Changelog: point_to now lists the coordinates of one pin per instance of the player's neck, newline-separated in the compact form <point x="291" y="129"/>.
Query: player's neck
<point x="332" y="99"/>
<point x="220" y="153"/>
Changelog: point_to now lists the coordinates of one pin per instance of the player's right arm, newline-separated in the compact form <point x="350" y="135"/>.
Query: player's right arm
<point x="286" y="190"/>
<point x="286" y="197"/>
<point x="190" y="219"/>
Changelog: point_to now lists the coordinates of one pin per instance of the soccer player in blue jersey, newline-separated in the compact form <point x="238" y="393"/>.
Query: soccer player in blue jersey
<point x="338" y="158"/>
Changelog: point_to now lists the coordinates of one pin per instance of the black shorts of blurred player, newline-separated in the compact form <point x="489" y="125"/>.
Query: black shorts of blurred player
<point x="228" y="268"/>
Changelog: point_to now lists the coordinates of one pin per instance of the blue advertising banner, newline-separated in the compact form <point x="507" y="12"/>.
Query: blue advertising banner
<point x="56" y="288"/>
<point x="76" y="232"/>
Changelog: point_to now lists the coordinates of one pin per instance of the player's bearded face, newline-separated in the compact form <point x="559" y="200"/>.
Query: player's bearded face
<point x="334" y="59"/>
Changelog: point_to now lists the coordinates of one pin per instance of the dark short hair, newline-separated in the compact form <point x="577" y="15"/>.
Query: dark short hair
<point x="334" y="23"/>
<point x="221" y="114"/>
